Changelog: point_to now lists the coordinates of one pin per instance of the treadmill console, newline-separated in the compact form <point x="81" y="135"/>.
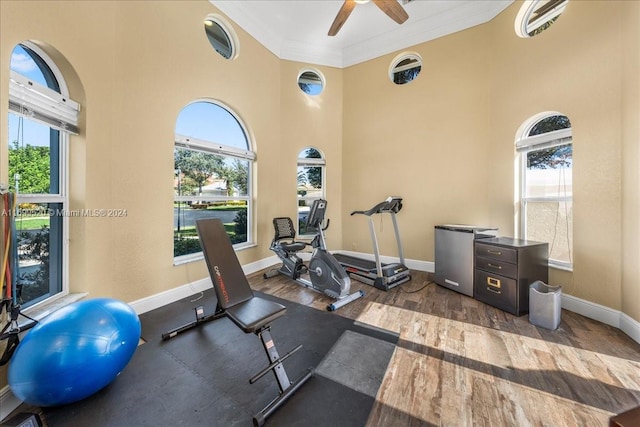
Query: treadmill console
<point x="393" y="203"/>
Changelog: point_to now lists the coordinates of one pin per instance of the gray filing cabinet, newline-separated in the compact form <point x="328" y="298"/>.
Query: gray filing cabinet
<point x="505" y="268"/>
<point x="454" y="255"/>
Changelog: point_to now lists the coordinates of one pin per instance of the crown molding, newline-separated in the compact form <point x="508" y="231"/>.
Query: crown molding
<point x="448" y="18"/>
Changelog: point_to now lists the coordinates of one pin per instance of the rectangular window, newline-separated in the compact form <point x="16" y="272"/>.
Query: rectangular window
<point x="546" y="200"/>
<point x="209" y="185"/>
<point x="36" y="170"/>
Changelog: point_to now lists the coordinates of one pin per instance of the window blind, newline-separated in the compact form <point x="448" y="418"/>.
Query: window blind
<point x="40" y="103"/>
<point x="545" y="140"/>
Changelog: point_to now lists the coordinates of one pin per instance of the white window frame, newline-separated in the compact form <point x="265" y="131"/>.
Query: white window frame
<point x="48" y="107"/>
<point x="522" y="25"/>
<point x="194" y="144"/>
<point x="524" y="146"/>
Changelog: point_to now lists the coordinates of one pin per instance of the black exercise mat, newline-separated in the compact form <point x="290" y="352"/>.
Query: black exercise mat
<point x="201" y="377"/>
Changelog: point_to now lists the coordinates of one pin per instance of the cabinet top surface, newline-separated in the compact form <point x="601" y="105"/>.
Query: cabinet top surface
<point x="465" y="228"/>
<point x="510" y="242"/>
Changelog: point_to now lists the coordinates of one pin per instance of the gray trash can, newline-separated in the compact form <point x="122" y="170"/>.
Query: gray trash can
<point x="545" y="305"/>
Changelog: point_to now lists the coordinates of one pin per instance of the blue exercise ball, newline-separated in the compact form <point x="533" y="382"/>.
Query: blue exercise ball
<point x="74" y="352"/>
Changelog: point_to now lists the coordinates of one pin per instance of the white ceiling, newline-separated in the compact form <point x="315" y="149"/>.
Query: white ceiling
<point x="297" y="29"/>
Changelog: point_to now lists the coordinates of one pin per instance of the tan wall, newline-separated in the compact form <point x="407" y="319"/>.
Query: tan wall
<point x="574" y="68"/>
<point x="425" y="141"/>
<point x="445" y="142"/>
<point x="630" y="129"/>
<point x="311" y="121"/>
<point x="138" y="65"/>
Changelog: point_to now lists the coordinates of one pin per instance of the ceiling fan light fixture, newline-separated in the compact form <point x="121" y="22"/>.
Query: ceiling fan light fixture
<point x="361" y="1"/>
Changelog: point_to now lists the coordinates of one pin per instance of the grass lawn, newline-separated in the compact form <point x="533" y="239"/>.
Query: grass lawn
<point x="32" y="223"/>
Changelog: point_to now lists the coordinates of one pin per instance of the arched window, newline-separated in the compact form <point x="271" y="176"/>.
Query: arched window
<point x="546" y="197"/>
<point x="212" y="175"/>
<point x="405" y="68"/>
<point x="41" y="116"/>
<point x="310" y="181"/>
<point x="535" y="16"/>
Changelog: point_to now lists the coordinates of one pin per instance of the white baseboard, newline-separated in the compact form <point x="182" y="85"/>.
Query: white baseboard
<point x="591" y="310"/>
<point x="166" y="297"/>
<point x="603" y="314"/>
<point x="630" y="327"/>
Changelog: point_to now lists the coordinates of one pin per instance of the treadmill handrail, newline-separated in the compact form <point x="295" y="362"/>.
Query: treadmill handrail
<point x="392" y="204"/>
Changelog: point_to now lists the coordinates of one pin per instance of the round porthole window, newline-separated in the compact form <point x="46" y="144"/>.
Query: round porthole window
<point x="535" y="16"/>
<point x="311" y="82"/>
<point x="405" y="68"/>
<point x="221" y="36"/>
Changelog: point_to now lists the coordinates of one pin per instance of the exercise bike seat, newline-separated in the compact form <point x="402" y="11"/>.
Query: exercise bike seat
<point x="284" y="229"/>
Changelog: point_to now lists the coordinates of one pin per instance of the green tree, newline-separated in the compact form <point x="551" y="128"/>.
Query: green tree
<point x="240" y="175"/>
<point x="314" y="173"/>
<point x="553" y="157"/>
<point x="33" y="165"/>
<point x="235" y="176"/>
<point x="549" y="124"/>
<point x="198" y="166"/>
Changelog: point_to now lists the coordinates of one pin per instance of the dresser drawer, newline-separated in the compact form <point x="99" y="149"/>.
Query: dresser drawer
<point x="496" y="252"/>
<point x="496" y="290"/>
<point x="497" y="266"/>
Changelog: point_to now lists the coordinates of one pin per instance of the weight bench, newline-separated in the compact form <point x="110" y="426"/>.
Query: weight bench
<point x="249" y="312"/>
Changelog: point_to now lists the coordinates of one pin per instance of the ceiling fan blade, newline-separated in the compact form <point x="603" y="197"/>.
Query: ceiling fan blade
<point x="393" y="9"/>
<point x="342" y="16"/>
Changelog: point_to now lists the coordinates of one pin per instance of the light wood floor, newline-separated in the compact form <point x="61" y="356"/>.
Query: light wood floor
<point x="460" y="362"/>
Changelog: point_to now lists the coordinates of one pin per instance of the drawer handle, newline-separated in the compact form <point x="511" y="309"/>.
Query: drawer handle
<point x="494" y="252"/>
<point x="494" y="291"/>
<point x="499" y="267"/>
<point x="493" y="282"/>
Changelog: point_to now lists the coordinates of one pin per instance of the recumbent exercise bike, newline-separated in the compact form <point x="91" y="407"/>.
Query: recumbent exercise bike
<point x="326" y="274"/>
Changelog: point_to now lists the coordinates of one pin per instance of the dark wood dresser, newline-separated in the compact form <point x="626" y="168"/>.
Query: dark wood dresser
<point x="504" y="269"/>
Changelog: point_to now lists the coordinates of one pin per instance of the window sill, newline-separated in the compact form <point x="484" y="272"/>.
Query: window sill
<point x="186" y="259"/>
<point x="562" y="267"/>
<point x="40" y="311"/>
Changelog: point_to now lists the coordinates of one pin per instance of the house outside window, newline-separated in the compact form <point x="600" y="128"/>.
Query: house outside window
<point x="213" y="163"/>
<point x="546" y="196"/>
<point x="310" y="180"/>
<point x="41" y="117"/>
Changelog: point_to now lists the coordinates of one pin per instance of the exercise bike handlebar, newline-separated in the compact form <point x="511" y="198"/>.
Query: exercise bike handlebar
<point x="391" y="204"/>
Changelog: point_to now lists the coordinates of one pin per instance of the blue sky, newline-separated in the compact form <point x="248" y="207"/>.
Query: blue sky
<point x="209" y="122"/>
<point x="32" y="133"/>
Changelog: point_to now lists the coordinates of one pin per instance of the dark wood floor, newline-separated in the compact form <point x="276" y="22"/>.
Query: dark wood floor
<point x="460" y="362"/>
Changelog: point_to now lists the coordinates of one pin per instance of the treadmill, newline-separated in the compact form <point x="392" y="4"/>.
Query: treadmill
<point x="375" y="273"/>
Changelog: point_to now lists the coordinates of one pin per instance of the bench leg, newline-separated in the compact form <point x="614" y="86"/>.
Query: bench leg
<point x="287" y="388"/>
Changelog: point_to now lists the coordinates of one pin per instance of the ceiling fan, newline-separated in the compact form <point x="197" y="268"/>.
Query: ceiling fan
<point x="392" y="8"/>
